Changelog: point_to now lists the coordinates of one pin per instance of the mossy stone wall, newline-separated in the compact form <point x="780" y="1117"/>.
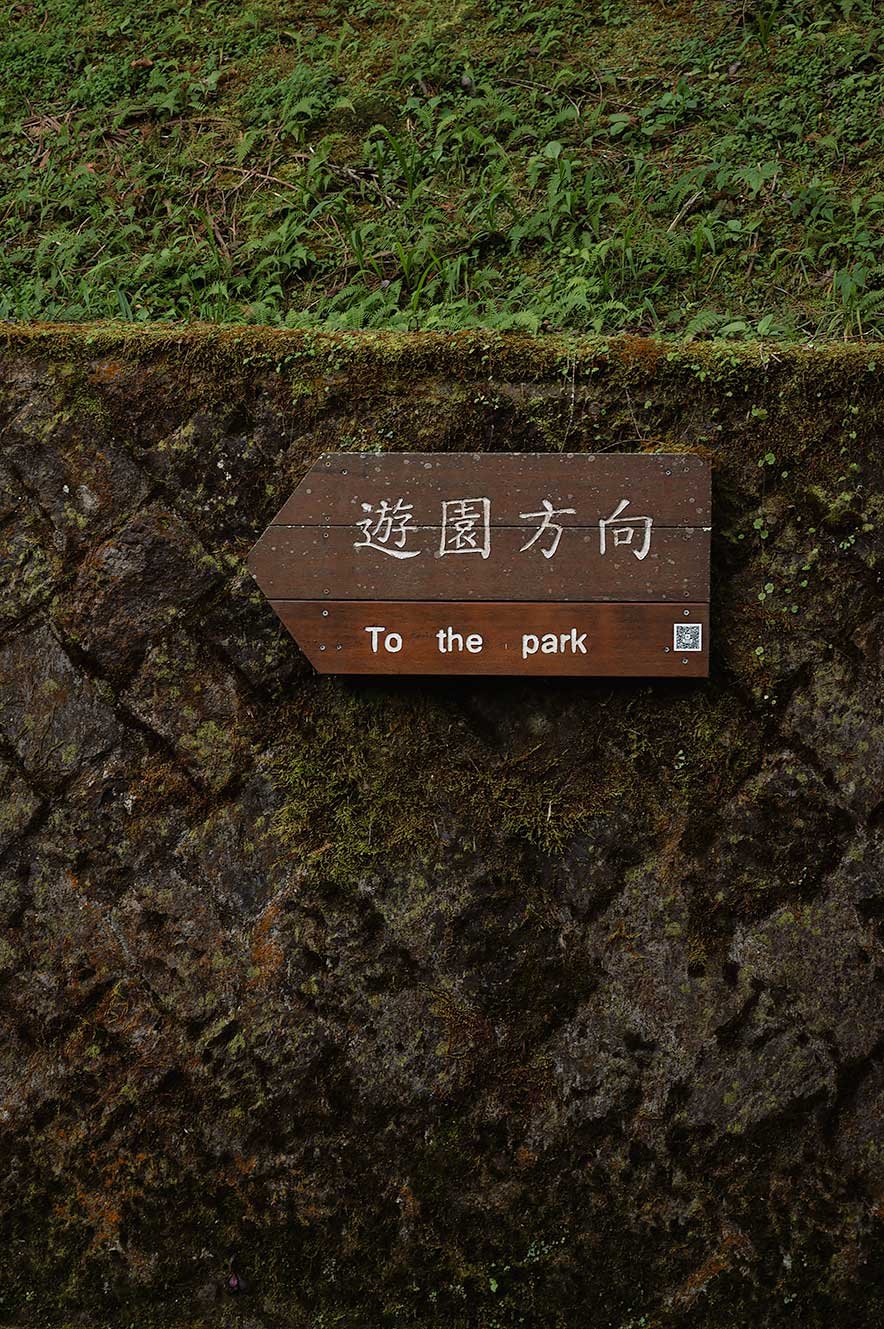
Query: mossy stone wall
<point x="446" y="1003"/>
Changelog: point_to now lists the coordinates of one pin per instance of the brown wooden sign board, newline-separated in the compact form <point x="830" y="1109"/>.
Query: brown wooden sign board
<point x="466" y="637"/>
<point x="490" y="563"/>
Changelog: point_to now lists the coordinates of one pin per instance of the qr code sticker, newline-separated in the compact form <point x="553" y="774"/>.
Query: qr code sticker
<point x="687" y="636"/>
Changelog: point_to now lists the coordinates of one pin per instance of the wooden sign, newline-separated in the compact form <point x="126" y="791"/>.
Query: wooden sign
<point x="495" y="563"/>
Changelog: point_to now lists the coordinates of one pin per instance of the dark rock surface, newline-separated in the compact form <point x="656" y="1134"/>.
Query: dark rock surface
<point x="437" y="1003"/>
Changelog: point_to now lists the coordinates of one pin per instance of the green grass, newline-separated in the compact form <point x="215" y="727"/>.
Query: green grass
<point x="682" y="167"/>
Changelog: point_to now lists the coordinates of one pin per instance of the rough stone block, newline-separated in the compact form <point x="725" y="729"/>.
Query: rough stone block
<point x="30" y="568"/>
<point x="55" y="717"/>
<point x="134" y="586"/>
<point x="18" y="803"/>
<point x="187" y="696"/>
<point x="839" y="716"/>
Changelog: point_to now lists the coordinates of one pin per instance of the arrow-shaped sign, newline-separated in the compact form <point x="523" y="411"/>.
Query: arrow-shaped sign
<point x="602" y="558"/>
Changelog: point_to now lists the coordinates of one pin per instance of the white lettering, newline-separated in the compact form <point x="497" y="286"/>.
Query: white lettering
<point x="387" y="528"/>
<point x="466" y="527"/>
<point x="623" y="530"/>
<point x="392" y="641"/>
<point x="448" y="640"/>
<point x="552" y="643"/>
<point x="546" y="524"/>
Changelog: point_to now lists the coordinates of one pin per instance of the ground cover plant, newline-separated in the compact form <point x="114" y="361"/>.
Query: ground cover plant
<point x="693" y="168"/>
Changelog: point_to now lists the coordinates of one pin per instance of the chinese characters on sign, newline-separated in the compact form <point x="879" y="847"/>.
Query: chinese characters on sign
<point x="388" y="530"/>
<point x="547" y="524"/>
<point x="466" y="528"/>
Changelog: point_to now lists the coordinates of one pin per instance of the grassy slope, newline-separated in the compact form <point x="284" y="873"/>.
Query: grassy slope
<point x="702" y="168"/>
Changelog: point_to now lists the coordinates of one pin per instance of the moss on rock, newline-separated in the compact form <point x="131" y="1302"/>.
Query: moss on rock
<point x="425" y="1002"/>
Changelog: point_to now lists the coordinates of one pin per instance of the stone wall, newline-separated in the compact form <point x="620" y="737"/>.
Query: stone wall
<point x="485" y="1003"/>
